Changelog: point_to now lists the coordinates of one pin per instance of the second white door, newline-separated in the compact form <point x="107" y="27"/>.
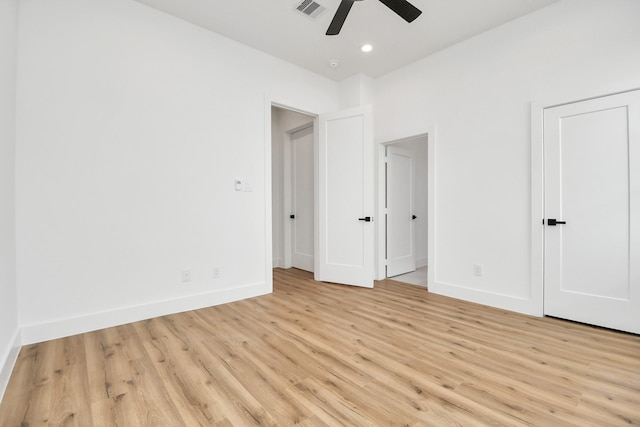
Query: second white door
<point x="401" y="257"/>
<point x="302" y="199"/>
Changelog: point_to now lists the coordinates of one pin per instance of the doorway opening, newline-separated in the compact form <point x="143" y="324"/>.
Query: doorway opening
<point x="293" y="207"/>
<point x="404" y="177"/>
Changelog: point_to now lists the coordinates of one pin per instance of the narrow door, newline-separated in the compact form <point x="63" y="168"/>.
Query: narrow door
<point x="592" y="211"/>
<point x="345" y="198"/>
<point x="302" y="217"/>
<point x="401" y="257"/>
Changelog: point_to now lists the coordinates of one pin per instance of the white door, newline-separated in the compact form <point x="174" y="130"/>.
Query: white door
<point x="345" y="198"/>
<point x="302" y="217"/>
<point x="592" y="191"/>
<point x="401" y="257"/>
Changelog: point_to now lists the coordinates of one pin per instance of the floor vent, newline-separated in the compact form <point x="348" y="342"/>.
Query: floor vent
<point x="310" y="8"/>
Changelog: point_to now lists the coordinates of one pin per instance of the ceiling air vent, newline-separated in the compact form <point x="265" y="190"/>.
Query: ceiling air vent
<point x="310" y="8"/>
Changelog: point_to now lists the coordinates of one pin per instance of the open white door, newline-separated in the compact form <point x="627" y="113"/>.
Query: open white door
<point x="401" y="257"/>
<point x="592" y="211"/>
<point x="345" y="198"/>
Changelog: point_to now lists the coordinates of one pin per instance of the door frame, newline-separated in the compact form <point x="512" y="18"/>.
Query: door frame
<point x="299" y="107"/>
<point x="536" y="301"/>
<point x="380" y="238"/>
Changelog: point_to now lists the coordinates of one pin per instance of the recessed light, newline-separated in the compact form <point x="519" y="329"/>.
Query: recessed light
<point x="334" y="63"/>
<point x="366" y="48"/>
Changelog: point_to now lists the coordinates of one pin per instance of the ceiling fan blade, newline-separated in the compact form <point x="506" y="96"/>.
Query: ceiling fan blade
<point x="339" y="17"/>
<point x="406" y="10"/>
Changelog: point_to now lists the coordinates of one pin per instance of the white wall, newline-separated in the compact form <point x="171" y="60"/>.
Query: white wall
<point x="477" y="94"/>
<point x="132" y="126"/>
<point x="282" y="121"/>
<point x="8" y="293"/>
<point x="356" y="91"/>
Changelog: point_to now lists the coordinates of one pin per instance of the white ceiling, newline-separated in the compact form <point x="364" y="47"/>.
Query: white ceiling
<point x="275" y="27"/>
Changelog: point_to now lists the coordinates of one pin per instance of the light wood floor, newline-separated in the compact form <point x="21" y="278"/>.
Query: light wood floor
<point x="317" y="354"/>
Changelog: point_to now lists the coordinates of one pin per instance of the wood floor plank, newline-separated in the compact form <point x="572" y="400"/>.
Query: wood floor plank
<point x="317" y="354"/>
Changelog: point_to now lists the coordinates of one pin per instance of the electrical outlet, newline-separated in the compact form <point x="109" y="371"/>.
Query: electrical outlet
<point x="216" y="272"/>
<point x="186" y="276"/>
<point x="477" y="270"/>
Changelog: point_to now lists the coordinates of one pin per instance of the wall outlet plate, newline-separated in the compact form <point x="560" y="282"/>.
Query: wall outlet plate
<point x="477" y="270"/>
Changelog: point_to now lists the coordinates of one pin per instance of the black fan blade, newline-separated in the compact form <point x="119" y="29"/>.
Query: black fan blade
<point x="339" y="17"/>
<point x="406" y="10"/>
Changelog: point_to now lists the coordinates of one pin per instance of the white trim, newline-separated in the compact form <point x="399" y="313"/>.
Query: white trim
<point x="8" y="361"/>
<point x="45" y="331"/>
<point x="431" y="204"/>
<point x="557" y="102"/>
<point x="316" y="196"/>
<point x="537" y="209"/>
<point x="299" y="128"/>
<point x="492" y="299"/>
<point x="268" y="189"/>
<point x="380" y="239"/>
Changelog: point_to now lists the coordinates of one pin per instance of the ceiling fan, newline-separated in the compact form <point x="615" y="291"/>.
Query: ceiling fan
<point x="403" y="8"/>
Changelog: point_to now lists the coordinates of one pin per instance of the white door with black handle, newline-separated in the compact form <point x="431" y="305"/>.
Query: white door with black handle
<point x="592" y="211"/>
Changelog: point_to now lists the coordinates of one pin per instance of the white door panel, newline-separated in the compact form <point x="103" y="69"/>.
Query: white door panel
<point x="302" y="242"/>
<point x="345" y="195"/>
<point x="400" y="225"/>
<point x="592" y="168"/>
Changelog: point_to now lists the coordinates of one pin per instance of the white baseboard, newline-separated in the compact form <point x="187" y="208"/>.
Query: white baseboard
<point x="505" y="302"/>
<point x="8" y="361"/>
<point x="421" y="262"/>
<point x="77" y="325"/>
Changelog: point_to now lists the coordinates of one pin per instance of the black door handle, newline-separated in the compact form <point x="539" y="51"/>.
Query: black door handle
<point x="413" y="217"/>
<point x="365" y="219"/>
<point x="292" y="216"/>
<point x="553" y="222"/>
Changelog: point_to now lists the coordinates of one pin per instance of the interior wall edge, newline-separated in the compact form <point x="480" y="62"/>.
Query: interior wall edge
<point x="8" y="361"/>
<point x="44" y="331"/>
